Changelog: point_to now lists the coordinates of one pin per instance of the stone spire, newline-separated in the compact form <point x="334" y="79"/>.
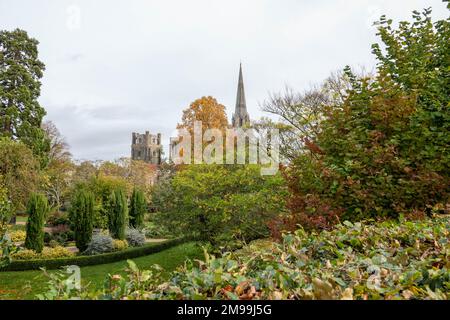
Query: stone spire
<point x="240" y="115"/>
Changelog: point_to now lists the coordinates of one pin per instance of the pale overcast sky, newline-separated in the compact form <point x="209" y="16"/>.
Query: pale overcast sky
<point x="114" y="67"/>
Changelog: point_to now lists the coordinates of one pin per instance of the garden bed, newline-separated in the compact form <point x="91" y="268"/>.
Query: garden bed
<point x="130" y="253"/>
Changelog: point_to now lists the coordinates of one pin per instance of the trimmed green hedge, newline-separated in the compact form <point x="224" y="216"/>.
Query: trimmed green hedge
<point x="93" y="260"/>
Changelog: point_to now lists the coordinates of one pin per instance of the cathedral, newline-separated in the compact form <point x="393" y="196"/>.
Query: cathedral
<point x="147" y="147"/>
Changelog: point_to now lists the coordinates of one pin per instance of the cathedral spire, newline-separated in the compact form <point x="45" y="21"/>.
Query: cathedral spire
<point x="240" y="116"/>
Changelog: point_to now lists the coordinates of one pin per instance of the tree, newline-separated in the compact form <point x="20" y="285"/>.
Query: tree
<point x="135" y="173"/>
<point x="37" y="210"/>
<point x="59" y="148"/>
<point x="20" y="171"/>
<point x="118" y="214"/>
<point x="222" y="204"/>
<point x="57" y="175"/>
<point x="20" y="73"/>
<point x="302" y="113"/>
<point x="208" y="111"/>
<point x="5" y="208"/>
<point x="81" y="216"/>
<point x="84" y="171"/>
<point x="383" y="151"/>
<point x="138" y="208"/>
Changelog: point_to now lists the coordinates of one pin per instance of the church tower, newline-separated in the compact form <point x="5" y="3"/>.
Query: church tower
<point x="240" y="115"/>
<point x="146" y="147"/>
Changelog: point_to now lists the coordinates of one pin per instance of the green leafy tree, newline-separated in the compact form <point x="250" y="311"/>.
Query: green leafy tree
<point x="102" y="186"/>
<point x="221" y="204"/>
<point x="81" y="216"/>
<point x="118" y="214"/>
<point x="138" y="208"/>
<point x="20" y="73"/>
<point x="20" y="171"/>
<point x="37" y="210"/>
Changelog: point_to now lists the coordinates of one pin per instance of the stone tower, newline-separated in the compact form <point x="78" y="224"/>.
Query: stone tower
<point x="146" y="147"/>
<point x="240" y="115"/>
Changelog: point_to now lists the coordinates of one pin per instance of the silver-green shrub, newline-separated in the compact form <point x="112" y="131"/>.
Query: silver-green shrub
<point x="100" y="243"/>
<point x="134" y="237"/>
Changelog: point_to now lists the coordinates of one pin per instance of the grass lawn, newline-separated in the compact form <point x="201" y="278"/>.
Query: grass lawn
<point x="22" y="219"/>
<point x="26" y="284"/>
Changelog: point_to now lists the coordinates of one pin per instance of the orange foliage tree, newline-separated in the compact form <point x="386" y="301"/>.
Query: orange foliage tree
<point x="207" y="110"/>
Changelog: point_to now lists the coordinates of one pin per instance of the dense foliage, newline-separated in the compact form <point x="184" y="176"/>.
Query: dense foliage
<point x="90" y="260"/>
<point x="100" y="243"/>
<point x="407" y="260"/>
<point x="81" y="218"/>
<point x="383" y="150"/>
<point x="20" y="172"/>
<point x="138" y="208"/>
<point x="20" y="73"/>
<point x="219" y="203"/>
<point x="47" y="253"/>
<point x="37" y="210"/>
<point x="118" y="214"/>
<point x="5" y="208"/>
<point x="134" y="237"/>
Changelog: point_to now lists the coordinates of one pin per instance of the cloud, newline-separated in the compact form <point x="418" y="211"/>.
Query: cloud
<point x="114" y="67"/>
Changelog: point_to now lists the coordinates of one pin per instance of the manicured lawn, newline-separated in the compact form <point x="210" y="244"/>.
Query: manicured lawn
<point x="26" y="284"/>
<point x="21" y="218"/>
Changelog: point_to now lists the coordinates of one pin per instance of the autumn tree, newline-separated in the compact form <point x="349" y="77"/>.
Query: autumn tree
<point x="20" y="73"/>
<point x="208" y="111"/>
<point x="382" y="151"/>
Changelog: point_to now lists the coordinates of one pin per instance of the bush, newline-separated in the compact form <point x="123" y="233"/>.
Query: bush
<point x="383" y="151"/>
<point x="102" y="186"/>
<point x="25" y="254"/>
<point x="361" y="261"/>
<point x="62" y="234"/>
<point x="47" y="253"/>
<point x="58" y="218"/>
<point x="120" y="245"/>
<point x="138" y="208"/>
<point x="81" y="215"/>
<point x="100" y="243"/>
<point x="5" y="208"/>
<point x="153" y="229"/>
<point x="222" y="204"/>
<point x="118" y="214"/>
<point x="53" y="244"/>
<point x="37" y="210"/>
<point x="135" y="238"/>
<point x="17" y="235"/>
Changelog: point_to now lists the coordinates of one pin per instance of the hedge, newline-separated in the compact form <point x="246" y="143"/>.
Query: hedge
<point x="93" y="260"/>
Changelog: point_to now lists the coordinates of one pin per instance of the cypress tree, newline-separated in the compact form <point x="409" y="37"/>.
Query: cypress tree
<point x="138" y="207"/>
<point x="82" y="215"/>
<point x="37" y="210"/>
<point x="118" y="214"/>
